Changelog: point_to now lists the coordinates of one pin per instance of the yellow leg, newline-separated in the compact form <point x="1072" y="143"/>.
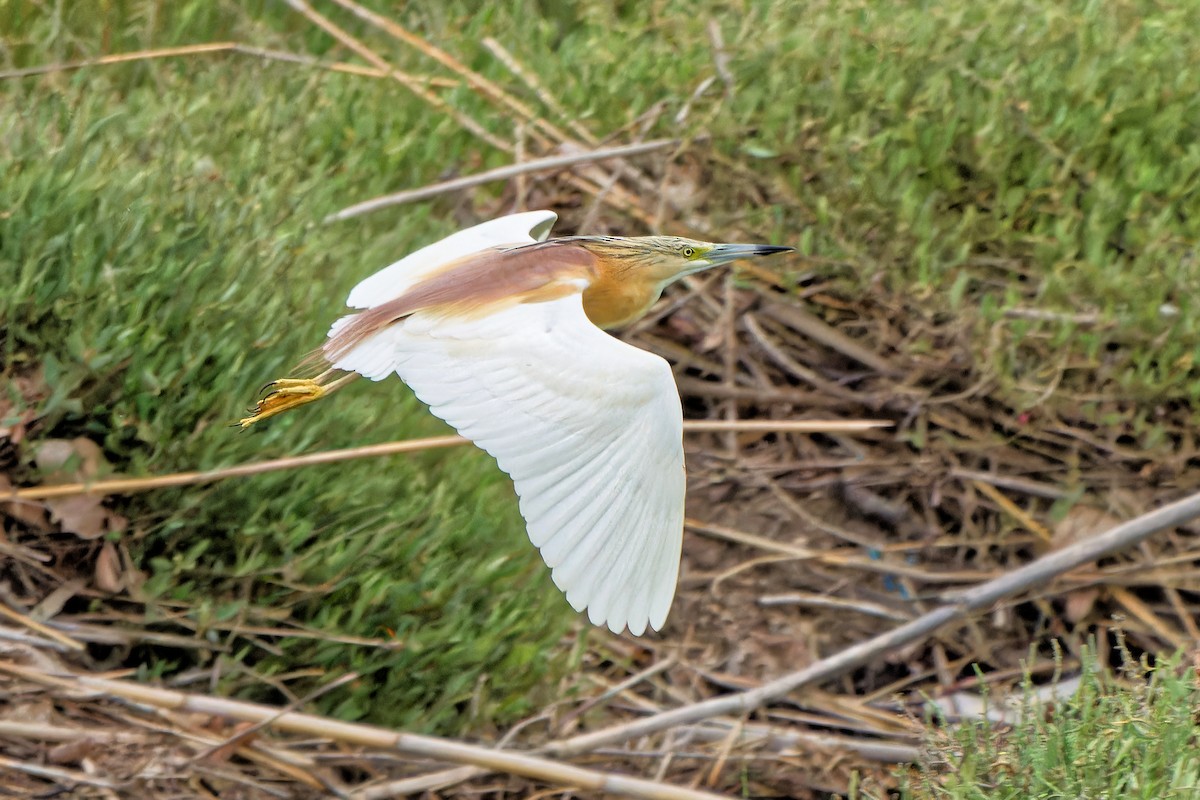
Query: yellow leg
<point x="288" y="393"/>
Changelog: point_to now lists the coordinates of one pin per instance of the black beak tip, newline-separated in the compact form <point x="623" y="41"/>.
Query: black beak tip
<point x="772" y="249"/>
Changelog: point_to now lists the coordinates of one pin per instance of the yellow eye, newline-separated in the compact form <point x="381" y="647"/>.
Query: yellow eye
<point x="688" y="252"/>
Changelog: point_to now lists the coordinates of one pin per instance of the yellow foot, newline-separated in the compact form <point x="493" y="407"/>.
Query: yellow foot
<point x="284" y="395"/>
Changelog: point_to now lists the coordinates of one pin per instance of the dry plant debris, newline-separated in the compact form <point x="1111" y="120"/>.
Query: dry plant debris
<point x="799" y="545"/>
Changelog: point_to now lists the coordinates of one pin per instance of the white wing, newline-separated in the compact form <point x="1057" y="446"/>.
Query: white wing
<point x="392" y="281"/>
<point x="589" y="428"/>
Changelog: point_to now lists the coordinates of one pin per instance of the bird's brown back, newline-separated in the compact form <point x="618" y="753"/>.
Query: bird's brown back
<point x="480" y="283"/>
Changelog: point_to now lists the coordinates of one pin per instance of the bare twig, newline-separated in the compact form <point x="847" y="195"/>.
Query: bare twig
<point x="63" y="777"/>
<point x="784" y="426"/>
<point x="787" y="740"/>
<point x="246" y="733"/>
<point x="499" y="174"/>
<point x="1042" y="315"/>
<point x="764" y="543"/>
<point x="789" y="364"/>
<point x="800" y="320"/>
<point x="832" y="557"/>
<point x="47" y="732"/>
<point x="812" y="600"/>
<point x="720" y="57"/>
<point x="429" y="782"/>
<point x="121" y="58"/>
<point x="1015" y="511"/>
<point x="206" y="48"/>
<point x="1035" y="488"/>
<point x="129" y="485"/>
<point x="34" y="625"/>
<point x="608" y="694"/>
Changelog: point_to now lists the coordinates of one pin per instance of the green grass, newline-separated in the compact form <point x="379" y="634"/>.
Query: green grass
<point x="1132" y="736"/>
<point x="161" y="256"/>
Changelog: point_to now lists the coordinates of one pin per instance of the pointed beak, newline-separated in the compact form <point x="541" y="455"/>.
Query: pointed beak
<point x="724" y="253"/>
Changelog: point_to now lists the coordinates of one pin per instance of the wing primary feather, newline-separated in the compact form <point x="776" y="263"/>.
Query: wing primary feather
<point x="613" y="594"/>
<point x="584" y="571"/>
<point x="593" y="471"/>
<point x="666" y="558"/>
<point x="581" y="508"/>
<point x="655" y="572"/>
<point x="541" y="459"/>
<point x="590" y="508"/>
<point x="629" y="579"/>
<point x="546" y="492"/>
<point x="577" y="570"/>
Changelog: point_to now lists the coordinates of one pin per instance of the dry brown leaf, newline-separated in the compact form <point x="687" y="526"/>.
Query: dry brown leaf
<point x="83" y="515"/>
<point x="107" y="575"/>
<point x="1082" y="522"/>
<point x="26" y="512"/>
<point x="684" y="327"/>
<point x="31" y="388"/>
<point x="70" y="459"/>
<point x="53" y="454"/>
<point x="16" y="431"/>
<point x="116" y="522"/>
<point x="131" y="577"/>
<point x="52" y="604"/>
<point x="72" y="752"/>
<point x="65" y="461"/>
<point x="1079" y="604"/>
<point x="227" y="751"/>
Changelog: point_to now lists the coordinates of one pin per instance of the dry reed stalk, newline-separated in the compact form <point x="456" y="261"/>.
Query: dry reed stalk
<point x="498" y="174"/>
<point x="206" y="48"/>
<point x="409" y="82"/>
<point x="130" y="485"/>
<point x="529" y="766"/>
<point x="34" y="625"/>
<point x="531" y="80"/>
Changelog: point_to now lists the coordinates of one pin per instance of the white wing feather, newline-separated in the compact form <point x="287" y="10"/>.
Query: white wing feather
<point x="589" y="428"/>
<point x="392" y="281"/>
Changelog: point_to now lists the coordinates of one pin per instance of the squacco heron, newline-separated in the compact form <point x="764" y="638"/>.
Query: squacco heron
<point x="499" y="331"/>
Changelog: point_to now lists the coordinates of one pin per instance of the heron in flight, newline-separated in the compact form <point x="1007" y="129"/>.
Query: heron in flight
<point x="499" y="330"/>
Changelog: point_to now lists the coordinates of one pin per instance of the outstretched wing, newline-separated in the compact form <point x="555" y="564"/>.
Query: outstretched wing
<point x="588" y="427"/>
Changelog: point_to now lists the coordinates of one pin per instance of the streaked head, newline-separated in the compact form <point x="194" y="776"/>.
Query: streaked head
<point x="669" y="258"/>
